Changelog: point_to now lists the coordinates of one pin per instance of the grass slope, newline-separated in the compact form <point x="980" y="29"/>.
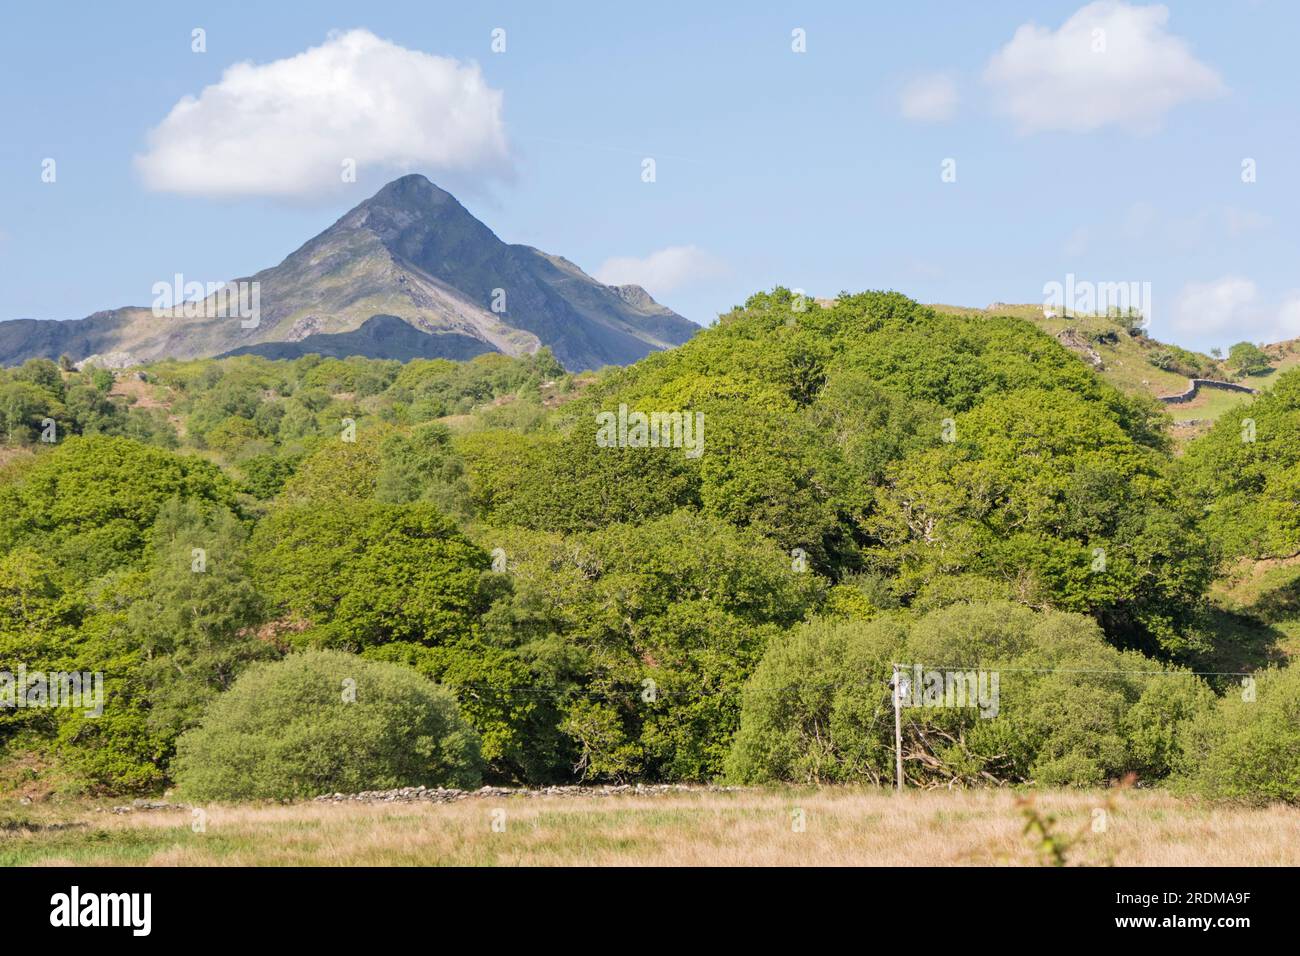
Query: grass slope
<point x="1126" y="361"/>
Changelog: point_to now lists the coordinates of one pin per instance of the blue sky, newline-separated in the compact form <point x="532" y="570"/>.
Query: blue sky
<point x="820" y="170"/>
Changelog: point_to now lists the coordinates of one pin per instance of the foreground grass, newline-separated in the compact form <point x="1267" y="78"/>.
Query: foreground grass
<point x="841" y="826"/>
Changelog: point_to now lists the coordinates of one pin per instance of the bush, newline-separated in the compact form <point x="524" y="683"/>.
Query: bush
<point x="1247" y="750"/>
<point x="1248" y="359"/>
<point x="286" y="730"/>
<point x="1068" y="709"/>
<point x="684" y="604"/>
<point x="815" y="710"/>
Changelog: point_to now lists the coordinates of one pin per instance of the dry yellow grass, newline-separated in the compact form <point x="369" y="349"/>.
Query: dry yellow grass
<point x="841" y="827"/>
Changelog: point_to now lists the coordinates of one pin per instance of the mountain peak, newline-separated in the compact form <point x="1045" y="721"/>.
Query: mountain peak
<point x="411" y="254"/>
<point x="412" y="189"/>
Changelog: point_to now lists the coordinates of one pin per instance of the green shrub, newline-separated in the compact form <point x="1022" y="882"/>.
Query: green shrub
<point x="683" y="604"/>
<point x="1247" y="750"/>
<point x="1068" y="710"/>
<point x="817" y="707"/>
<point x="265" y="475"/>
<point x="1248" y="359"/>
<point x="287" y="730"/>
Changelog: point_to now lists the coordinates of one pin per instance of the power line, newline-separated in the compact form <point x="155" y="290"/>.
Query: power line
<point x="629" y="693"/>
<point x="1067" y="670"/>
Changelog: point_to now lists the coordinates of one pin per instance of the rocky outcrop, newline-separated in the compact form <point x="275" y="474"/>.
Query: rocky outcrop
<point x="1076" y="343"/>
<point x="109" y="360"/>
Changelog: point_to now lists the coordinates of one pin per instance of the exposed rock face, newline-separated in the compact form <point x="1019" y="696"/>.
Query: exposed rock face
<point x="637" y="297"/>
<point x="1076" y="343"/>
<point x="307" y="325"/>
<point x="410" y="252"/>
<point x="110" y="360"/>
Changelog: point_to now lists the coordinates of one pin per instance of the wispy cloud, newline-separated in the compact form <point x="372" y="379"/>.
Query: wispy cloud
<point x="929" y="99"/>
<point x="1231" y="309"/>
<point x="663" y="271"/>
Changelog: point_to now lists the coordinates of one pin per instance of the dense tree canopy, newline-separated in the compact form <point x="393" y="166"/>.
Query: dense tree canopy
<point x="875" y="481"/>
<point x="1245" y="474"/>
<point x="92" y="500"/>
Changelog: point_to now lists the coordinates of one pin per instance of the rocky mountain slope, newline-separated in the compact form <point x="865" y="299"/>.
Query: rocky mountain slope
<point x="412" y="253"/>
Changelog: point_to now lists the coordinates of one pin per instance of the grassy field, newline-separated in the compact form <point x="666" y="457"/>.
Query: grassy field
<point x="840" y="826"/>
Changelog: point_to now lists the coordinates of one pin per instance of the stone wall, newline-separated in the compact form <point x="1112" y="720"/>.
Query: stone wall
<point x="1196" y="384"/>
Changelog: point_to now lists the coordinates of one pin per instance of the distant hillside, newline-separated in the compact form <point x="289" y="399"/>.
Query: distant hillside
<point x="411" y="253"/>
<point x="1140" y="365"/>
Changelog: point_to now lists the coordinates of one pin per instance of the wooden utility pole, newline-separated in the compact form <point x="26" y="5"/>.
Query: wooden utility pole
<point x="898" y="728"/>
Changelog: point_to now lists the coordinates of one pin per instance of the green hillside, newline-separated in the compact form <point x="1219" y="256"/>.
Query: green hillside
<point x="1126" y="358"/>
<point x="1141" y="365"/>
<point x="828" y="489"/>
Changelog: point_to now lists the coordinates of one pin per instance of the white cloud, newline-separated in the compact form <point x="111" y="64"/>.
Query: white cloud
<point x="929" y="99"/>
<point x="1230" y="309"/>
<point x="1109" y="63"/>
<point x="662" y="272"/>
<point x="285" y="128"/>
<point x="1216" y="307"/>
